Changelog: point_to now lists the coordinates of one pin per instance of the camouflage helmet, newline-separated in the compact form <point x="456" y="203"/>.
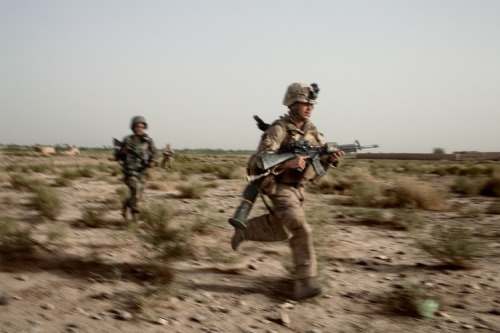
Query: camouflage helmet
<point x="301" y="92"/>
<point x="136" y="120"/>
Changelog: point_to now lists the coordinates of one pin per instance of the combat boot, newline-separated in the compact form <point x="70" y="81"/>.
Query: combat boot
<point x="237" y="239"/>
<point x="306" y="288"/>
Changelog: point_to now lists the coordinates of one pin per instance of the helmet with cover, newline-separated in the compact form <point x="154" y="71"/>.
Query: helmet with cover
<point x="301" y="92"/>
<point x="137" y="120"/>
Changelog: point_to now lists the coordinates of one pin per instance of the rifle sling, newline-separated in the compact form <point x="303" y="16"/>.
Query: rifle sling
<point x="262" y="196"/>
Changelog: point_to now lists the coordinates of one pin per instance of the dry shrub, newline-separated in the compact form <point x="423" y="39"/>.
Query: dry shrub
<point x="206" y="221"/>
<point x="225" y="171"/>
<point x="20" y="182"/>
<point x="400" y="219"/>
<point x="147" y="299"/>
<point x="191" y="190"/>
<point x="62" y="182"/>
<point x="80" y="172"/>
<point x="491" y="187"/>
<point x="47" y="202"/>
<point x="120" y="195"/>
<point x="349" y="178"/>
<point x="13" y="238"/>
<point x="167" y="242"/>
<point x="325" y="185"/>
<point x="363" y="187"/>
<point x="452" y="245"/>
<point x="494" y="207"/>
<point x="445" y="170"/>
<point x="93" y="217"/>
<point x="466" y="186"/>
<point x="411" y="193"/>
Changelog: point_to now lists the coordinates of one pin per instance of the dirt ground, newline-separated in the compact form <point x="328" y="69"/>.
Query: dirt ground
<point x="89" y="281"/>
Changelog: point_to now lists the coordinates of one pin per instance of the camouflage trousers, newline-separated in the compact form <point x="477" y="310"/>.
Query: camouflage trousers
<point x="134" y="183"/>
<point x="166" y="161"/>
<point x="286" y="222"/>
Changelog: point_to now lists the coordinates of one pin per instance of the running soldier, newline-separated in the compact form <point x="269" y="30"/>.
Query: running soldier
<point x="136" y="153"/>
<point x="284" y="187"/>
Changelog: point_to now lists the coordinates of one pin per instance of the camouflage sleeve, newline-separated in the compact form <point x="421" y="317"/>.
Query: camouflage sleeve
<point x="120" y="153"/>
<point x="153" y="151"/>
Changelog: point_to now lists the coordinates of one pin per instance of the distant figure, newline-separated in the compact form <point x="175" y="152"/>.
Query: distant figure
<point x="72" y="151"/>
<point x="168" y="157"/>
<point x="136" y="154"/>
<point x="45" y="150"/>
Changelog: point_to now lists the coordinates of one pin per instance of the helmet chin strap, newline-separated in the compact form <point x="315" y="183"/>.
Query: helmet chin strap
<point x="295" y="114"/>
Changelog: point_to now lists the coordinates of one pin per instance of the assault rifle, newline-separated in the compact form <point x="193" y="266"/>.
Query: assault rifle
<point x="119" y="155"/>
<point x="268" y="161"/>
<point x="313" y="152"/>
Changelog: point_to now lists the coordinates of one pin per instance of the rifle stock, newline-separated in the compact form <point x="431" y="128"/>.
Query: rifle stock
<point x="271" y="160"/>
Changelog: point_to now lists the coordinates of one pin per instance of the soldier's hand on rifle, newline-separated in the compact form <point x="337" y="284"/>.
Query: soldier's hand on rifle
<point x="299" y="162"/>
<point x="334" y="157"/>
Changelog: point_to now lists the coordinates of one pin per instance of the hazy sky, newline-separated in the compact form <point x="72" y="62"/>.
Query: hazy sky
<point x="409" y="75"/>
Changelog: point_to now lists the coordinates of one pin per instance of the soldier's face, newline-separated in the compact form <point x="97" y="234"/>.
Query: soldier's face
<point x="305" y="109"/>
<point x="139" y="129"/>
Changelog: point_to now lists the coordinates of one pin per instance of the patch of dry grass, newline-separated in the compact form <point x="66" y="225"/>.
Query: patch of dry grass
<point x="168" y="243"/>
<point x="191" y="190"/>
<point x="491" y="186"/>
<point x="408" y="192"/>
<point x="15" y="240"/>
<point x="47" y="201"/>
<point x="453" y="245"/>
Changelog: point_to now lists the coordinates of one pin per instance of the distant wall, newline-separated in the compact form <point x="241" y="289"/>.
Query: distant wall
<point x="431" y="157"/>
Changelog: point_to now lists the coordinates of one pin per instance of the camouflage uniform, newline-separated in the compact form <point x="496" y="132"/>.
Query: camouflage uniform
<point x="140" y="152"/>
<point x="283" y="184"/>
<point x="287" y="220"/>
<point x="168" y="157"/>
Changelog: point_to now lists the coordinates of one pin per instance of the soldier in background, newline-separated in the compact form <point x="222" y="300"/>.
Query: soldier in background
<point x="168" y="157"/>
<point x="136" y="154"/>
<point x="284" y="187"/>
